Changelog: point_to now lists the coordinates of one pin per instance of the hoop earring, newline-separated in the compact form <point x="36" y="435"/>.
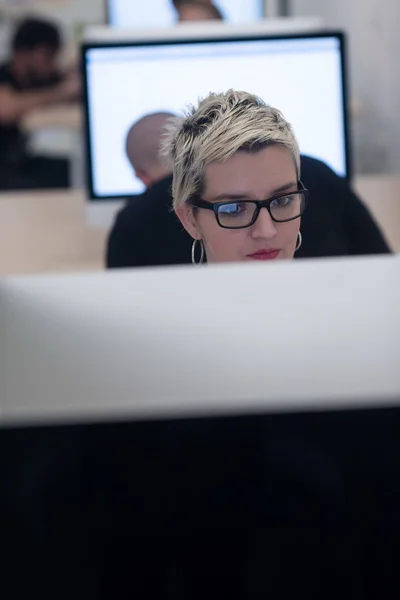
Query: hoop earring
<point x="194" y="246"/>
<point x="299" y="241"/>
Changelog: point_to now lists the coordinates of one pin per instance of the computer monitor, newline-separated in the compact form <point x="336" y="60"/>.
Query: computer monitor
<point x="161" y="13"/>
<point x="181" y="339"/>
<point x="125" y="81"/>
<point x="171" y="431"/>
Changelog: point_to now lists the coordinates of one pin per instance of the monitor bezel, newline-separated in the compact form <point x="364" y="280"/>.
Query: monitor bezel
<point x="158" y="41"/>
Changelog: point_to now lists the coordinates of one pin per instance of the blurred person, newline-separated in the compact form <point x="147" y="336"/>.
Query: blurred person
<point x="148" y="233"/>
<point x="197" y="10"/>
<point x="143" y="148"/>
<point x="147" y="221"/>
<point x="31" y="80"/>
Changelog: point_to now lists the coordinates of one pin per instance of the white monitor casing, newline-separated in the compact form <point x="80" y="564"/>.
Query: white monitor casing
<point x="285" y="25"/>
<point x="295" y="335"/>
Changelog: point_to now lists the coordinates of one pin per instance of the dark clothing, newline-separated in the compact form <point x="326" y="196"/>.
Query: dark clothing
<point x="19" y="170"/>
<point x="336" y="223"/>
<point x="12" y="140"/>
<point x="148" y="233"/>
<point x="36" y="172"/>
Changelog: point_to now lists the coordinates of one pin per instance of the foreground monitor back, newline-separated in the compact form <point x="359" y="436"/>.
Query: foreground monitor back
<point x="184" y="340"/>
<point x="202" y="433"/>
<point x="125" y="81"/>
<point x="161" y="13"/>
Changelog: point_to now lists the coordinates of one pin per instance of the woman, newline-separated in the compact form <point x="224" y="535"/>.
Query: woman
<point x="236" y="179"/>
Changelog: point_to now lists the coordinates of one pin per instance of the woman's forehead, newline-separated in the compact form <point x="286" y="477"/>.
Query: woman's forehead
<point x="253" y="175"/>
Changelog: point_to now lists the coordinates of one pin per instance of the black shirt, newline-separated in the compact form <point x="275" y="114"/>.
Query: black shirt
<point x="336" y="223"/>
<point x="12" y="140"/>
<point x="147" y="232"/>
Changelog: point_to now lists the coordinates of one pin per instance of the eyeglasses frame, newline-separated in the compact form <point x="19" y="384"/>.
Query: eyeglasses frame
<point x="198" y="202"/>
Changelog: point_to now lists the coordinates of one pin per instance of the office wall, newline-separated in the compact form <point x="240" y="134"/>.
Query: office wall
<point x="85" y="11"/>
<point x="373" y="26"/>
<point x="68" y="11"/>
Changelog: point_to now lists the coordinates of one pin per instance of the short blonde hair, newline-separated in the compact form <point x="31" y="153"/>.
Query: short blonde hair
<point x="220" y="126"/>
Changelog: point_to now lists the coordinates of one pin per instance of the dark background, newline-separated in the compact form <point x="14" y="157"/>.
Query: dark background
<point x="283" y="506"/>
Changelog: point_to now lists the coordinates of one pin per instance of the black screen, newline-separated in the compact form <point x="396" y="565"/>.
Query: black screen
<point x="262" y="506"/>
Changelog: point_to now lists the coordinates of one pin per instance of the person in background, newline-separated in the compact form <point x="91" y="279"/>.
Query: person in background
<point x="31" y="80"/>
<point x="336" y="223"/>
<point x="147" y="221"/>
<point x="197" y="10"/>
<point x="143" y="147"/>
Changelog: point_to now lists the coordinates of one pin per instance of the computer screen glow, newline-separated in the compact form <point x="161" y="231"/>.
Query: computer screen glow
<point x="300" y="76"/>
<point x="161" y="13"/>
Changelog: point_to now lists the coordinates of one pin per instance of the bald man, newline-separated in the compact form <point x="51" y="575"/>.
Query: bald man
<point x="143" y="147"/>
<point x="136" y="237"/>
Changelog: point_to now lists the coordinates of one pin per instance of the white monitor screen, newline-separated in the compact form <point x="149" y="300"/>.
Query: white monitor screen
<point x="301" y="75"/>
<point x="161" y="13"/>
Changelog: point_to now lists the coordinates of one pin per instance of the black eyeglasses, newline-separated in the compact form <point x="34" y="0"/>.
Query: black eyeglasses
<point x="239" y="214"/>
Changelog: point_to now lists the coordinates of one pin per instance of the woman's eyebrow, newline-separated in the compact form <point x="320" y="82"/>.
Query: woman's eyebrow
<point x="285" y="187"/>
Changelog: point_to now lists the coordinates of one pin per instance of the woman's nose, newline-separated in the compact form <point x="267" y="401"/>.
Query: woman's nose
<point x="264" y="226"/>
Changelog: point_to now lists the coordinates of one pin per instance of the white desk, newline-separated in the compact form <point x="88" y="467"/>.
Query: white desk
<point x="46" y="232"/>
<point x="63" y="116"/>
<point x="381" y="193"/>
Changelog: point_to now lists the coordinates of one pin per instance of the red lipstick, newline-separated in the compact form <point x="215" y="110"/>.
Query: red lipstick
<point x="264" y="254"/>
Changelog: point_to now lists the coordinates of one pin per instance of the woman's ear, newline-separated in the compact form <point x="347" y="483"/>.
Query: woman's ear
<point x="187" y="217"/>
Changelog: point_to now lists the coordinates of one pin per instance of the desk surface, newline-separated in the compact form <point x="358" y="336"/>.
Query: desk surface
<point x="47" y="232"/>
<point x="62" y="116"/>
<point x="381" y="193"/>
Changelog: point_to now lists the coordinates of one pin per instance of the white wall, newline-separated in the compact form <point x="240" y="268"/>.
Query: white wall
<point x="373" y="27"/>
<point x="72" y="11"/>
<point x="68" y="11"/>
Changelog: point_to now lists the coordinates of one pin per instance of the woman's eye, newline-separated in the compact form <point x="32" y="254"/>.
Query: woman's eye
<point x="282" y="202"/>
<point x="232" y="209"/>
